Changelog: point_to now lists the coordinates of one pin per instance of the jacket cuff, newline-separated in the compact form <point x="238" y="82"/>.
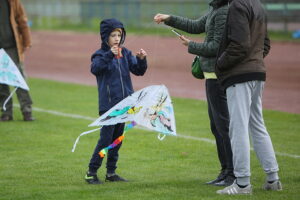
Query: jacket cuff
<point x="170" y="21"/>
<point x="141" y="61"/>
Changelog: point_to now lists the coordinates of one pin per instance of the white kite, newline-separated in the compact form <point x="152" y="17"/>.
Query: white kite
<point x="150" y="107"/>
<point x="10" y="74"/>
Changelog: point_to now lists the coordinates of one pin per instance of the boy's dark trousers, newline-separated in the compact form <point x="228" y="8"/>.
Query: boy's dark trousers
<point x="107" y="135"/>
<point x="219" y="123"/>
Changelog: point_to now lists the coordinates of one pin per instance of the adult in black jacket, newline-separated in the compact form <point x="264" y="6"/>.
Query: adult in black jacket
<point x="241" y="71"/>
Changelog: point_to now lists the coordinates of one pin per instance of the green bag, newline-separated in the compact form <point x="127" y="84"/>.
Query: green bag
<point x="196" y="68"/>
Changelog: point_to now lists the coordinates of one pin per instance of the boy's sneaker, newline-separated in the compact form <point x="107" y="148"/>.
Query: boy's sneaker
<point x="92" y="178"/>
<point x="115" y="178"/>
<point x="276" y="186"/>
<point x="235" y="189"/>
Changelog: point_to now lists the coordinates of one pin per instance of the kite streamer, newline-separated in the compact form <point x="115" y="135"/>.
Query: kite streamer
<point x="8" y="98"/>
<point x="84" y="133"/>
<point x="117" y="141"/>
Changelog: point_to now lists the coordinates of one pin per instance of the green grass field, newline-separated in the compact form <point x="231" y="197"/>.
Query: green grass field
<point x="36" y="160"/>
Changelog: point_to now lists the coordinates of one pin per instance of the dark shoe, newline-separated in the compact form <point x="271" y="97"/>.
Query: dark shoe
<point x="115" y="178"/>
<point x="221" y="177"/>
<point x="5" y="118"/>
<point x="226" y="182"/>
<point x="275" y="186"/>
<point x="92" y="178"/>
<point x="27" y="116"/>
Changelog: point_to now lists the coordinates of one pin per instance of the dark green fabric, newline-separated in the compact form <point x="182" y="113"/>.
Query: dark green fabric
<point x="7" y="38"/>
<point x="212" y="24"/>
<point x="196" y="68"/>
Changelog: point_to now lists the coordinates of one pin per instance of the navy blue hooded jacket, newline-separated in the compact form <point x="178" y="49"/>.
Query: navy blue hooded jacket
<point x="113" y="74"/>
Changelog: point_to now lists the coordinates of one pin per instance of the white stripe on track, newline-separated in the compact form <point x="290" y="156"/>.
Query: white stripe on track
<point x="53" y="112"/>
<point x="213" y="142"/>
<point x="75" y="116"/>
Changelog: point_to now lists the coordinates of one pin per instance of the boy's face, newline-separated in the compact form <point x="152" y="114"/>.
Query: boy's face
<point x="114" y="38"/>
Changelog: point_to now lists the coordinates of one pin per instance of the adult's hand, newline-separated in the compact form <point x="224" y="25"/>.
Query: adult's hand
<point x="158" y="18"/>
<point x="185" y="41"/>
<point x="26" y="48"/>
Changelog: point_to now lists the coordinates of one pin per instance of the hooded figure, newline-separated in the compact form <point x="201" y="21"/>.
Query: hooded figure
<point x="106" y="27"/>
<point x="113" y="73"/>
<point x="111" y="65"/>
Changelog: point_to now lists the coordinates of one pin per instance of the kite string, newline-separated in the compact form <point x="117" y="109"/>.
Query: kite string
<point x="8" y="98"/>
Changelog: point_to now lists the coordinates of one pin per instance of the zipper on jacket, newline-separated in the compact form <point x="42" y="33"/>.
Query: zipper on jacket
<point x="108" y="91"/>
<point x="121" y="78"/>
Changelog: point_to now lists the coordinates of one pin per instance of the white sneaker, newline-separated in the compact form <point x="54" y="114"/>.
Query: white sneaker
<point x="276" y="186"/>
<point x="235" y="189"/>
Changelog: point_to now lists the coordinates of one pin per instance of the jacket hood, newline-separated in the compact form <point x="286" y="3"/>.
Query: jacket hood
<point x="218" y="3"/>
<point x="106" y="27"/>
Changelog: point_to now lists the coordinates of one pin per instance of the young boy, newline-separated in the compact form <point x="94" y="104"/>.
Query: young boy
<point x="111" y="65"/>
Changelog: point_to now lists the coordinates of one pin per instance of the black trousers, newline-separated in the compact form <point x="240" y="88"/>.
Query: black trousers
<point x="107" y="135"/>
<point x="219" y="123"/>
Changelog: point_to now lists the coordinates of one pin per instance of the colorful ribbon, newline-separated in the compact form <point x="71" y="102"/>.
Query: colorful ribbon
<point x="117" y="141"/>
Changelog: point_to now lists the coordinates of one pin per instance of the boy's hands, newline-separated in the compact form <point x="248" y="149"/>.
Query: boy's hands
<point x="116" y="50"/>
<point x="158" y="18"/>
<point x="141" y="54"/>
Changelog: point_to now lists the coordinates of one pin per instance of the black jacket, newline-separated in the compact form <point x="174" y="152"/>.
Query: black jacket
<point x="244" y="44"/>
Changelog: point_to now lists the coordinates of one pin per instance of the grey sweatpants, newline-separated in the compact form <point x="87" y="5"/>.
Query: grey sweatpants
<point x="245" y="110"/>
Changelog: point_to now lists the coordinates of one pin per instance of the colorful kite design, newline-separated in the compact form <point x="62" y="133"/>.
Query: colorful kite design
<point x="150" y="108"/>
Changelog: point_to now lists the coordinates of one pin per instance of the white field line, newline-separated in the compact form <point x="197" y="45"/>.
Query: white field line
<point x="75" y="116"/>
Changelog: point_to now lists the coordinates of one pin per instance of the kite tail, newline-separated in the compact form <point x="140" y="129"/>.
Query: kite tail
<point x="117" y="141"/>
<point x="8" y="98"/>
